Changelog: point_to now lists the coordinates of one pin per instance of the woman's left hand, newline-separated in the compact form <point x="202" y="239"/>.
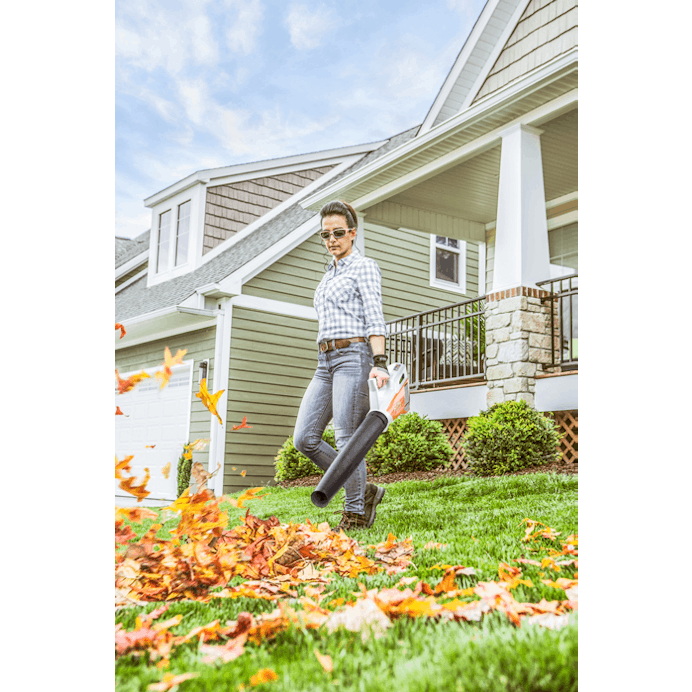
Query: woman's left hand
<point x="381" y="375"/>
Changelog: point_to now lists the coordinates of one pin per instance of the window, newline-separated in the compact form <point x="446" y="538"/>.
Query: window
<point x="563" y="246"/>
<point x="173" y="251"/>
<point x="448" y="263"/>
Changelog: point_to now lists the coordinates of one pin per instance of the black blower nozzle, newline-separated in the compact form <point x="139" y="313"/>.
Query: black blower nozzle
<point x="349" y="457"/>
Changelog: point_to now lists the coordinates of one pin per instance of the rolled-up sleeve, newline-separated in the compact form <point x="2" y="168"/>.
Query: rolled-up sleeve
<point x="370" y="288"/>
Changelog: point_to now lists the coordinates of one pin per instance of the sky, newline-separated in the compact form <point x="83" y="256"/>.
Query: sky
<point x="207" y="83"/>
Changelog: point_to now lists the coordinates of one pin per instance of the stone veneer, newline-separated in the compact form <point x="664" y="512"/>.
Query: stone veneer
<point x="517" y="343"/>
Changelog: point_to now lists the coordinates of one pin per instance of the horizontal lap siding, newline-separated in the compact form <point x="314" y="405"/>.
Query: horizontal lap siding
<point x="199" y="345"/>
<point x="273" y="359"/>
<point x="405" y="266"/>
<point x="294" y="277"/>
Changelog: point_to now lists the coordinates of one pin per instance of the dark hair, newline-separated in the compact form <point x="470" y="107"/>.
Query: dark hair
<point x="343" y="209"/>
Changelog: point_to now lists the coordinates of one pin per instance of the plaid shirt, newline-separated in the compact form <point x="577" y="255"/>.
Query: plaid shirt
<point x="348" y="300"/>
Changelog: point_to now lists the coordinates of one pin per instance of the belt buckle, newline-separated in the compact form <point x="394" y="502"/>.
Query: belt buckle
<point x="324" y="345"/>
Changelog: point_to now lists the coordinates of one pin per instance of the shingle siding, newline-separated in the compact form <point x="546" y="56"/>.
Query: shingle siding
<point x="230" y="208"/>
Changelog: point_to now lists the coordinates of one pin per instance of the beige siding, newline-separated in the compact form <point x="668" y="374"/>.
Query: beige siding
<point x="547" y="29"/>
<point x="404" y="260"/>
<point x="295" y="276"/>
<point x="273" y="358"/>
<point x="199" y="345"/>
<point x="230" y="208"/>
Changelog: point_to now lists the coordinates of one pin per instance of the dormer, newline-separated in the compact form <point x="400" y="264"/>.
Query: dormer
<point x="202" y="215"/>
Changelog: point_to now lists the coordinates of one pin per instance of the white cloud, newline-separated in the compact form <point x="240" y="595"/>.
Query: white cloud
<point x="308" y="26"/>
<point x="242" y="35"/>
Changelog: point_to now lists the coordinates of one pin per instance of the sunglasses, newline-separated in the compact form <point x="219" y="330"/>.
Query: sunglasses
<point x="338" y="233"/>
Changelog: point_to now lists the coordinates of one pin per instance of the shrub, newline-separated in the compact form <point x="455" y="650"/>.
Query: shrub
<point x="508" y="437"/>
<point x="411" y="443"/>
<point x="289" y="463"/>
<point x="184" y="468"/>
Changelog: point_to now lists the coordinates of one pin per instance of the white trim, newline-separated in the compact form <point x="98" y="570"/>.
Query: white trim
<point x="499" y="47"/>
<point x="481" y="269"/>
<point x="557" y="393"/>
<point x="278" y="306"/>
<point x="247" y="171"/>
<point x="165" y="334"/>
<point x="563" y="220"/>
<point x="222" y="365"/>
<point x="272" y="213"/>
<point x="131" y="280"/>
<point x="498" y="100"/>
<point x="569" y="197"/>
<point x="166" y="311"/>
<point x="132" y="263"/>
<point x="459" y="64"/>
<point x="459" y="287"/>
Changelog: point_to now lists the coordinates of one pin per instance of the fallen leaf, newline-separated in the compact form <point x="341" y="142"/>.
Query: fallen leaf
<point x="135" y="514"/>
<point x="209" y="400"/>
<point x="325" y="661"/>
<point x="166" y="470"/>
<point x="243" y="424"/>
<point x="364" y="617"/>
<point x="264" y="675"/>
<point x="548" y="620"/>
<point x="431" y="545"/>
<point x="121" y="328"/>
<point x="170" y="681"/>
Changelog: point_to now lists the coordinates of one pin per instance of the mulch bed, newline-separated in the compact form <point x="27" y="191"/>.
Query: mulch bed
<point x="558" y="467"/>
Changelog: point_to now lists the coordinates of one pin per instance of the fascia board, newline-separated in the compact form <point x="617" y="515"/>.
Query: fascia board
<point x="131" y="264"/>
<point x="466" y="52"/>
<point x="233" y="282"/>
<point x="162" y="312"/>
<point x="136" y="277"/>
<point x="495" y="53"/>
<point x="308" y="189"/>
<point x="247" y="171"/>
<point x="500" y="99"/>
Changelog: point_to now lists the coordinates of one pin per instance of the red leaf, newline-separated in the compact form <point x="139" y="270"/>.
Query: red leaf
<point x="243" y="424"/>
<point x="121" y="328"/>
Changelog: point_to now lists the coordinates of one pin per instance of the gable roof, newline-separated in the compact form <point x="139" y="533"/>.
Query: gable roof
<point x="138" y="299"/>
<point x="477" y="56"/>
<point x="128" y="248"/>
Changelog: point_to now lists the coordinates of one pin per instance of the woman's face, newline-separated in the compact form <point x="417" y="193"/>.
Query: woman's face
<point x="338" y="247"/>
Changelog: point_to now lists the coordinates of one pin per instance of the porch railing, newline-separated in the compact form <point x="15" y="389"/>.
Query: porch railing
<point x="441" y="346"/>
<point x="564" y="295"/>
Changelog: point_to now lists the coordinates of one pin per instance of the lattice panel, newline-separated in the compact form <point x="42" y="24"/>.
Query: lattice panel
<point x="568" y="422"/>
<point x="455" y="429"/>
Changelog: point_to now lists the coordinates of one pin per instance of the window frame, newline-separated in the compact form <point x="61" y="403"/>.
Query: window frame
<point x="455" y="287"/>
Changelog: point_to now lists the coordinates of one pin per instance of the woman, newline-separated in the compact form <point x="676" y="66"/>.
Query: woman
<point x="350" y="342"/>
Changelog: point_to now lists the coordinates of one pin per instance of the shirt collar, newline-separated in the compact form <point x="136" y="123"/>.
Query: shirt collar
<point x="354" y="254"/>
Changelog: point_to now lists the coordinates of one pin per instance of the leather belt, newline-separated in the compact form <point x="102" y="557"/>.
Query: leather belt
<point x="325" y="346"/>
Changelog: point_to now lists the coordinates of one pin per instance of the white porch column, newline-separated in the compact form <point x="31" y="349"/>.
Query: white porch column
<point x="521" y="237"/>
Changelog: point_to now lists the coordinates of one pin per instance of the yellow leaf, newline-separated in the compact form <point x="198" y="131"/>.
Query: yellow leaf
<point x="209" y="400"/>
<point x="325" y="661"/>
<point x="264" y="675"/>
<point x="166" y="470"/>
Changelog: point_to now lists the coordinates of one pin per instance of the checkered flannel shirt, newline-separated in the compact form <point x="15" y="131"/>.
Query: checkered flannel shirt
<point x="348" y="300"/>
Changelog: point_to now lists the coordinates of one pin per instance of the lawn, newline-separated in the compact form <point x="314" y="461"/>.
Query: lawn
<point x="480" y="523"/>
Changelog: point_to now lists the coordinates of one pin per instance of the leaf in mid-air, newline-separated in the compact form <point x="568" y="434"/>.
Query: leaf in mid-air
<point x="139" y="491"/>
<point x="118" y="412"/>
<point x="123" y="465"/>
<point x="264" y="675"/>
<point x="166" y="470"/>
<point x="242" y="424"/>
<point x="169" y="361"/>
<point x="209" y="400"/>
<point x="121" y="328"/>
<point x="130" y="382"/>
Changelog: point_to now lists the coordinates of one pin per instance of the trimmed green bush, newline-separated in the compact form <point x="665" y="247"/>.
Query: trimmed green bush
<point x="289" y="463"/>
<point x="411" y="443"/>
<point x="508" y="437"/>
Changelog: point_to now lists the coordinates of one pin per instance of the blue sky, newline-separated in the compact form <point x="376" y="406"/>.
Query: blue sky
<point x="207" y="83"/>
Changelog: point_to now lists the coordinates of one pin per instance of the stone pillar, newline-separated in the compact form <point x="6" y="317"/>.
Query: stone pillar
<point x="517" y="338"/>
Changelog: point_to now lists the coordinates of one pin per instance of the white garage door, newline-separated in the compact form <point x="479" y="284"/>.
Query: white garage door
<point x="154" y="429"/>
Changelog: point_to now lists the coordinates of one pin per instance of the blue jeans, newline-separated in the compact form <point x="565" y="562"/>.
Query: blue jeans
<point x="338" y="390"/>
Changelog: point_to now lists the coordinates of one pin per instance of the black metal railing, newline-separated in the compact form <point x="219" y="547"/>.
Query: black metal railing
<point x="564" y="318"/>
<point x="441" y="346"/>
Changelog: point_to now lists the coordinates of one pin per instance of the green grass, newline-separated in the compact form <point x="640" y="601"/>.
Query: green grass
<point x="481" y="521"/>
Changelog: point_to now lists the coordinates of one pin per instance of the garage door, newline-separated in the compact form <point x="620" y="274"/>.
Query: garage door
<point x="154" y="429"/>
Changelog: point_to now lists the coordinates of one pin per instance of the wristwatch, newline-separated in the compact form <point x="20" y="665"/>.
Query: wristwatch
<point x="381" y="361"/>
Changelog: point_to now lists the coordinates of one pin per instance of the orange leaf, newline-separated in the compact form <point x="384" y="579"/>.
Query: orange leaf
<point x="150" y="446"/>
<point x="166" y="470"/>
<point x="135" y="514"/>
<point x="139" y="491"/>
<point x="264" y="675"/>
<point x="123" y="465"/>
<point x="121" y="328"/>
<point x="243" y="424"/>
<point x="130" y="382"/>
<point x="325" y="661"/>
<point x="169" y="361"/>
<point x="249" y="494"/>
<point x="170" y="681"/>
<point x="209" y="400"/>
<point x="243" y="472"/>
<point x="118" y="412"/>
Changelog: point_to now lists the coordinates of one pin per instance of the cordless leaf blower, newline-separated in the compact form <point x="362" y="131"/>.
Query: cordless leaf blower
<point x="386" y="403"/>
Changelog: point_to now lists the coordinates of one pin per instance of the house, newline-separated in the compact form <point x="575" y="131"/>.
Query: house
<point x="471" y="216"/>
